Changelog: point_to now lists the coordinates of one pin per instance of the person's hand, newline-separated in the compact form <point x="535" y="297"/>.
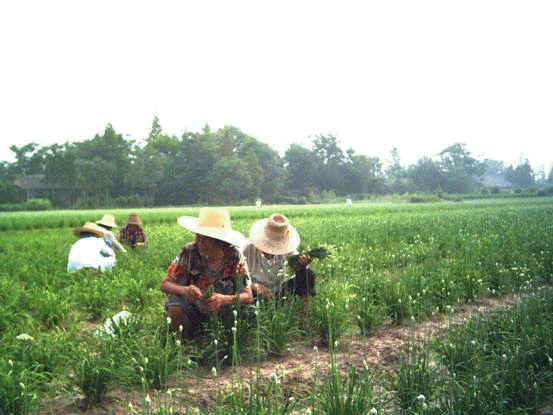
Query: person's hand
<point x="304" y="260"/>
<point x="215" y="302"/>
<point x="194" y="293"/>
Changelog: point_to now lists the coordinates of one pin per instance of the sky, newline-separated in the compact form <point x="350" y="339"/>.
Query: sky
<point x="415" y="75"/>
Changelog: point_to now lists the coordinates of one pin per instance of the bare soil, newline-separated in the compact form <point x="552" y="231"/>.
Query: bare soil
<point x="296" y="370"/>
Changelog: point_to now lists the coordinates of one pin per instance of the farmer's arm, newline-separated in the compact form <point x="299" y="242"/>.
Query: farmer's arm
<point x="169" y="285"/>
<point x="245" y="296"/>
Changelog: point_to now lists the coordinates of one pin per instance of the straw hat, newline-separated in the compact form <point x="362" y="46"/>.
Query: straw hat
<point x="108" y="221"/>
<point x="274" y="235"/>
<point x="212" y="222"/>
<point x="89" y="227"/>
<point x="134" y="219"/>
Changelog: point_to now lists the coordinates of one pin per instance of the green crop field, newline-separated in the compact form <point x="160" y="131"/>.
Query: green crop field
<point x="391" y="264"/>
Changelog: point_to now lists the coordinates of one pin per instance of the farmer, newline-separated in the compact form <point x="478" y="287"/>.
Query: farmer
<point x="107" y="223"/>
<point x="90" y="250"/>
<point x="208" y="276"/>
<point x="132" y="233"/>
<point x="271" y="242"/>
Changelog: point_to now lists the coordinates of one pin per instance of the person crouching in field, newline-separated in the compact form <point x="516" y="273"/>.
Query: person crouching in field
<point x="107" y="223"/>
<point x="208" y="276"/>
<point x="132" y="234"/>
<point x="90" y="251"/>
<point x="271" y="242"/>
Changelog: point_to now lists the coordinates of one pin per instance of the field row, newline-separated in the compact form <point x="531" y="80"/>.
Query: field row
<point x="389" y="263"/>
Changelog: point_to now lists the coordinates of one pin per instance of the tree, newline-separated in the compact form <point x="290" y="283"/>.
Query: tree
<point x="227" y="145"/>
<point x="28" y="159"/>
<point x="458" y="167"/>
<point x="457" y="158"/>
<point x="112" y="148"/>
<point x="256" y="172"/>
<point x="550" y="176"/>
<point x="231" y="181"/>
<point x="426" y="175"/>
<point x="394" y="170"/>
<point x="327" y="150"/>
<point x="95" y="176"/>
<point x="147" y="171"/>
<point x="156" y="128"/>
<point x="269" y="161"/>
<point x="522" y="175"/>
<point x="301" y="168"/>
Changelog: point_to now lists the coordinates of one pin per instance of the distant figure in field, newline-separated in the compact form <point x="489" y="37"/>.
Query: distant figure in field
<point x="349" y="202"/>
<point x="107" y="223"/>
<point x="90" y="251"/>
<point x="132" y="233"/>
<point x="258" y="203"/>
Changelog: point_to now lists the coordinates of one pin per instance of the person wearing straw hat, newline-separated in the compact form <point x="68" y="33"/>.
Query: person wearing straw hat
<point x="90" y="250"/>
<point x="271" y="242"/>
<point x="107" y="223"/>
<point x="208" y="276"/>
<point x="132" y="233"/>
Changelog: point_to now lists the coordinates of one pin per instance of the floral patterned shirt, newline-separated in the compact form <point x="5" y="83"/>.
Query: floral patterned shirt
<point x="189" y="267"/>
<point x="132" y="234"/>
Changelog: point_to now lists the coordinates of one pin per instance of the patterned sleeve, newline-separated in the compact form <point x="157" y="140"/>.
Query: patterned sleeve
<point x="176" y="272"/>
<point x="123" y="234"/>
<point x="241" y="269"/>
<point x="142" y="235"/>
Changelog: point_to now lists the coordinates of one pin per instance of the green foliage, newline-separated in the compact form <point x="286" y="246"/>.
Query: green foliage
<point x="38" y="204"/>
<point x="95" y="373"/>
<point x="391" y="262"/>
<point x="331" y="311"/>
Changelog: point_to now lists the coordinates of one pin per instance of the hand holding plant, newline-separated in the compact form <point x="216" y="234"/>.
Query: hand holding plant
<point x="299" y="261"/>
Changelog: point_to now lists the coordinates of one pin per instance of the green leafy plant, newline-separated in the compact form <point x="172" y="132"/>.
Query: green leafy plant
<point x="315" y="253"/>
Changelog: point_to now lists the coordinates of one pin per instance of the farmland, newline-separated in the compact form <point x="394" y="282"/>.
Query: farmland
<point x="392" y="265"/>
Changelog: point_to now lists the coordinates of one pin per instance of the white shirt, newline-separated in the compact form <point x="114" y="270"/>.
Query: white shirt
<point x="90" y="252"/>
<point x="108" y="235"/>
<point x="269" y="272"/>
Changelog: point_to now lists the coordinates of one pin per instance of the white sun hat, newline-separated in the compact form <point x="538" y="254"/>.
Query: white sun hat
<point x="274" y="235"/>
<point x="212" y="222"/>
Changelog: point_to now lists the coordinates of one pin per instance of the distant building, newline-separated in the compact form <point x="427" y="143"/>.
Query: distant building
<point x="495" y="181"/>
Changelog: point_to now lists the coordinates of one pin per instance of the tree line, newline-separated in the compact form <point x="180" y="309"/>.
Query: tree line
<point x="228" y="166"/>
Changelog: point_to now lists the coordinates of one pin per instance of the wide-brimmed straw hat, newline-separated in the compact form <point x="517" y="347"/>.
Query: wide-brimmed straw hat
<point x="212" y="222"/>
<point x="108" y="221"/>
<point x="134" y="219"/>
<point x="89" y="227"/>
<point x="274" y="235"/>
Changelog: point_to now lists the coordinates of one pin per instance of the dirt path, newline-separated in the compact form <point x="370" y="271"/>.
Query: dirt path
<point x="295" y="371"/>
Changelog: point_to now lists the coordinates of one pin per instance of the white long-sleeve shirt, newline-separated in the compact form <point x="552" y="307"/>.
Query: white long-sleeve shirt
<point x="90" y="252"/>
<point x="270" y="272"/>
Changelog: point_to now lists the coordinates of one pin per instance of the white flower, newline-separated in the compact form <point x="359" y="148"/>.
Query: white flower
<point x="316" y="349"/>
<point x="168" y="320"/>
<point x="421" y="398"/>
<point x="148" y="400"/>
<point x="373" y="412"/>
<point x="214" y="371"/>
<point x="215" y="342"/>
<point x="181" y="328"/>
<point x="24" y="337"/>
<point x="274" y="378"/>
<point x="235" y="313"/>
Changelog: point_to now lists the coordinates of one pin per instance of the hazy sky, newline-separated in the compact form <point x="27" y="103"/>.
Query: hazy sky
<point x="418" y="75"/>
